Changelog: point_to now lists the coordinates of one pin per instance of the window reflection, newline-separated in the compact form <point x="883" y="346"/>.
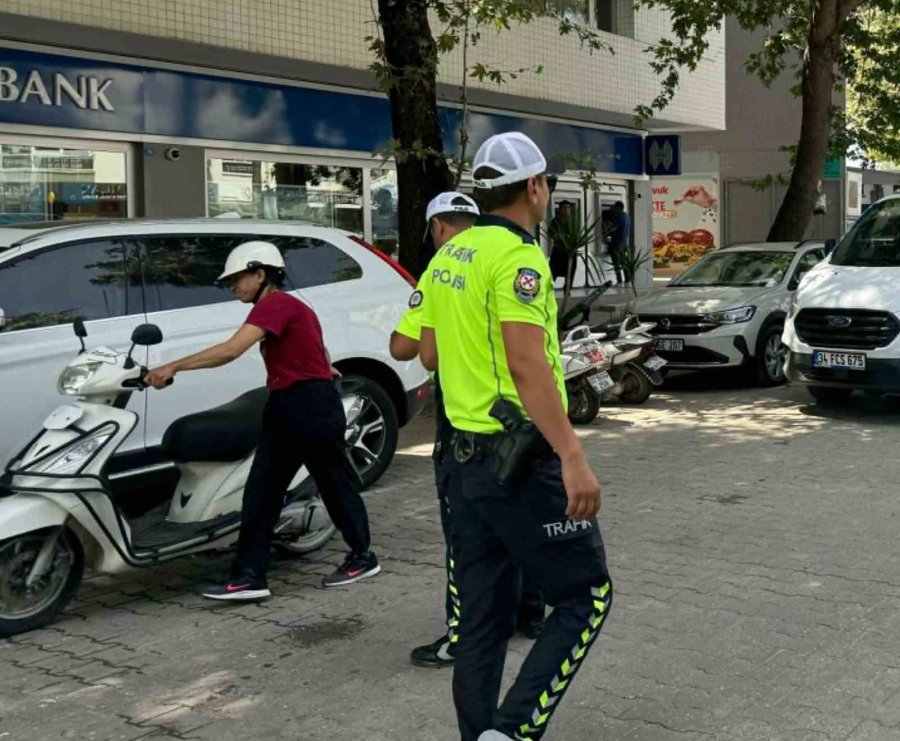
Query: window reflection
<point x="385" y="233"/>
<point x="52" y="183"/>
<point x="261" y="189"/>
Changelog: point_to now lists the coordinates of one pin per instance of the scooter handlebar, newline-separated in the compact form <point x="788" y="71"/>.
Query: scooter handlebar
<point x="140" y="383"/>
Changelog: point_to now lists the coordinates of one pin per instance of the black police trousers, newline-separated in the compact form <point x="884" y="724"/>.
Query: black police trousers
<point x="530" y="601"/>
<point x="497" y="529"/>
<point x="304" y="424"/>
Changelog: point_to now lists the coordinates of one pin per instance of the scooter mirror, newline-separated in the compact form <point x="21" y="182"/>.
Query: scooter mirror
<point x="80" y="330"/>
<point x="2" y="320"/>
<point x="146" y="335"/>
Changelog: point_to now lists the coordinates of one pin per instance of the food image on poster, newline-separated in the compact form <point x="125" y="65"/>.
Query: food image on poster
<point x="685" y="221"/>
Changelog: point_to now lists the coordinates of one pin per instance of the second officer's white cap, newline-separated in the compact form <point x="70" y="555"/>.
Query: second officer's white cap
<point x="513" y="154"/>
<point x="450" y="202"/>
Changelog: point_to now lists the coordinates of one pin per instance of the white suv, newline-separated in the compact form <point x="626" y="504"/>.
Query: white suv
<point x="843" y="332"/>
<point x="728" y="309"/>
<point x="118" y="274"/>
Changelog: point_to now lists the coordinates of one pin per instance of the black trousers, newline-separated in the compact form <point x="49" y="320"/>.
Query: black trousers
<point x="616" y="253"/>
<point x="530" y="601"/>
<point x="302" y="425"/>
<point x="496" y="530"/>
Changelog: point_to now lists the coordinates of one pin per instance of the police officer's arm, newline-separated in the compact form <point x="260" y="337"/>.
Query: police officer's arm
<point x="523" y="289"/>
<point x="403" y="347"/>
<point x="428" y="349"/>
<point x="405" y="339"/>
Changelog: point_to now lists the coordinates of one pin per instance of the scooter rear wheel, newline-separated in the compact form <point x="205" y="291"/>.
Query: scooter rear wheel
<point x="24" y="607"/>
<point x="636" y="387"/>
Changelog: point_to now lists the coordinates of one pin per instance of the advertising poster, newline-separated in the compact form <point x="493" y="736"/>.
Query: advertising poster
<point x="685" y="221"/>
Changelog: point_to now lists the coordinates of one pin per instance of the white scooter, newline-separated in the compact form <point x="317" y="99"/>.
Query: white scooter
<point x="633" y="364"/>
<point x="58" y="511"/>
<point x="585" y="364"/>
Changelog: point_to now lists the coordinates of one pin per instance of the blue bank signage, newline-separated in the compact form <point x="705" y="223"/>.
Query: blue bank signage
<point x="663" y="154"/>
<point x="66" y="92"/>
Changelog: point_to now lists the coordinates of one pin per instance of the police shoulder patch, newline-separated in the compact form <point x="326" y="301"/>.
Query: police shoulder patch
<point x="527" y="284"/>
<point x="415" y="301"/>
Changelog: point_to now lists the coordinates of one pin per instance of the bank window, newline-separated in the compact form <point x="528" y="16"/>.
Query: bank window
<point x="613" y="16"/>
<point x="383" y="208"/>
<point x="55" y="184"/>
<point x="56" y="286"/>
<point x="268" y="189"/>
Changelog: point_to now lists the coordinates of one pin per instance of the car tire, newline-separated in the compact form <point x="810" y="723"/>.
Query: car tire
<point x="769" y="358"/>
<point x="829" y="395"/>
<point x="372" y="427"/>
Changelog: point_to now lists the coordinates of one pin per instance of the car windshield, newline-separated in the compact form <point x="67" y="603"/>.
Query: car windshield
<point x="734" y="268"/>
<point x="874" y="240"/>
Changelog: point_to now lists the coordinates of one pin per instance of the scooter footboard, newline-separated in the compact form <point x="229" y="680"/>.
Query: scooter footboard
<point x="23" y="513"/>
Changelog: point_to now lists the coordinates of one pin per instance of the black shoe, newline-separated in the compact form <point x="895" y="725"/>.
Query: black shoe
<point x="241" y="589"/>
<point x="531" y="627"/>
<point x="356" y="566"/>
<point x="434" y="655"/>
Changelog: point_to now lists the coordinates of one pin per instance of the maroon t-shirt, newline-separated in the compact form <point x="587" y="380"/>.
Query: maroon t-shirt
<point x="293" y="348"/>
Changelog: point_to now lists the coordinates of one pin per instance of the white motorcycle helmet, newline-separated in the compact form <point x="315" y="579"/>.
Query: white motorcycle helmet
<point x="251" y="256"/>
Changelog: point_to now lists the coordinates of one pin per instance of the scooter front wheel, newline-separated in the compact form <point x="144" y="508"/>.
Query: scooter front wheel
<point x="39" y="573"/>
<point x="584" y="403"/>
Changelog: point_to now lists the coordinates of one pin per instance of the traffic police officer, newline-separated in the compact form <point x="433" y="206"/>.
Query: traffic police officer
<point x="446" y="216"/>
<point x="489" y="326"/>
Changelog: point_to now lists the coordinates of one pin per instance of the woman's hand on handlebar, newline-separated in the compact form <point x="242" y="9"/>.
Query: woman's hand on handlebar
<point x="160" y="377"/>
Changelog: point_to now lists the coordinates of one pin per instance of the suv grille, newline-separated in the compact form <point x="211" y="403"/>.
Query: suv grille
<point x="678" y="324"/>
<point x="856" y="329"/>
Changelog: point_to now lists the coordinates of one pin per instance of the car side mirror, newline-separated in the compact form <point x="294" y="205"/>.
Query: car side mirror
<point x="146" y="335"/>
<point x="830" y="244"/>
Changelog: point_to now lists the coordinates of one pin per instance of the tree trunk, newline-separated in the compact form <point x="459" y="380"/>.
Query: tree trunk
<point x="817" y="89"/>
<point x="422" y="171"/>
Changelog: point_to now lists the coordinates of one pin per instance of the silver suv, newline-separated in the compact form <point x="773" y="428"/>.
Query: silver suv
<point x="728" y="309"/>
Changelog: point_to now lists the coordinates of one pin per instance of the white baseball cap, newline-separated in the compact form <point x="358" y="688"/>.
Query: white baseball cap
<point x="513" y="154"/>
<point x="450" y="202"/>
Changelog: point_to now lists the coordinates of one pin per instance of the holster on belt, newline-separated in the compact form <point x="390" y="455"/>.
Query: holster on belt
<point x="517" y="447"/>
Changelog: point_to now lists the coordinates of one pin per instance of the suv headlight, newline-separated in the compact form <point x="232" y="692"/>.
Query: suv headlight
<point x="75" y="376"/>
<point x="71" y="459"/>
<point x="732" y="316"/>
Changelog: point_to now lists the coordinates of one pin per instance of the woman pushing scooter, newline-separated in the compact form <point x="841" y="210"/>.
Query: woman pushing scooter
<point x="303" y="422"/>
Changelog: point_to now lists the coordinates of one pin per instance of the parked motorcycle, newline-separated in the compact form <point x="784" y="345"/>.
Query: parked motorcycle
<point x="634" y="366"/>
<point x="584" y="363"/>
<point x="59" y="513"/>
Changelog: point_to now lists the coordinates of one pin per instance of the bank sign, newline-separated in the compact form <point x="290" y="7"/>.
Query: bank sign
<point x="71" y="93"/>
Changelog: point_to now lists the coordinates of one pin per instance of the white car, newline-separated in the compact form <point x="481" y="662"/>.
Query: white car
<point x="728" y="309"/>
<point x="843" y="331"/>
<point x="117" y="274"/>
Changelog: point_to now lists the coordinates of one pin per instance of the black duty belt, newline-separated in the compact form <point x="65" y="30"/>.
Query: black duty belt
<point x="466" y="445"/>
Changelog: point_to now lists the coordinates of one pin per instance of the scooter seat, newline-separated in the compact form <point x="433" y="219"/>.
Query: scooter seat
<point x="611" y="330"/>
<point x="222" y="434"/>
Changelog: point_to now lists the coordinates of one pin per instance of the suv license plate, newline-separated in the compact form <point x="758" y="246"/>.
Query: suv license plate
<point x="670" y="345"/>
<point x="846" y="360"/>
<point x="601" y="382"/>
